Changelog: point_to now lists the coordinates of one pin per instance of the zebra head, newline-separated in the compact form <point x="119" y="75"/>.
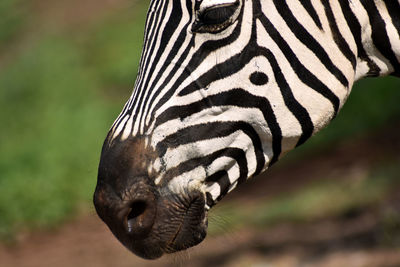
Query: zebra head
<point x="225" y="87"/>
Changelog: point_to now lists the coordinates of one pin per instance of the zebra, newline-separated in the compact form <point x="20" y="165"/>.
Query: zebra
<point x="224" y="89"/>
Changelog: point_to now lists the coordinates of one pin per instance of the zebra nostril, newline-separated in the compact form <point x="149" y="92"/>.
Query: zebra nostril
<point x="140" y="218"/>
<point x="137" y="209"/>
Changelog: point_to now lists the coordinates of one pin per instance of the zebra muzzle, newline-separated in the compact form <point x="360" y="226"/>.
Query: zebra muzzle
<point x="150" y="223"/>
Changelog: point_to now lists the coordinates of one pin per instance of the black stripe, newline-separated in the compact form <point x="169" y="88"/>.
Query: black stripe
<point x="209" y="200"/>
<point x="241" y="98"/>
<point x="148" y="52"/>
<point x="297" y="110"/>
<point x="302" y="72"/>
<point x="355" y="28"/>
<point x="213" y="178"/>
<point x="151" y="18"/>
<point x="196" y="59"/>
<point x="379" y="35"/>
<point x="149" y="22"/>
<point x="167" y="33"/>
<point x="393" y="8"/>
<point x="208" y="131"/>
<point x="154" y="14"/>
<point x="221" y="177"/>
<point x="311" y="11"/>
<point x="306" y="38"/>
<point x="118" y="119"/>
<point x="337" y="35"/>
<point x="235" y="97"/>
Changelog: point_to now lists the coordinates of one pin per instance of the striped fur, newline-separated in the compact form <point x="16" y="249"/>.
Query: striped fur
<point x="221" y="107"/>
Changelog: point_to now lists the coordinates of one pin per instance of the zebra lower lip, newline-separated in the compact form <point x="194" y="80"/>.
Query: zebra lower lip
<point x="192" y="229"/>
<point x="185" y="238"/>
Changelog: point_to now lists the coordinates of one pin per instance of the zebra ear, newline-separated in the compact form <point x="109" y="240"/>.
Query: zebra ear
<point x="214" y="18"/>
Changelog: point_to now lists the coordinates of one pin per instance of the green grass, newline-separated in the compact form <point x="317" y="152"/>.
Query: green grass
<point x="113" y="49"/>
<point x="60" y="94"/>
<point x="12" y="16"/>
<point x="53" y="125"/>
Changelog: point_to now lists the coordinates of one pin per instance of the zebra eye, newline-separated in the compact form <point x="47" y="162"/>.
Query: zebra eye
<point x="215" y="19"/>
<point x="217" y="15"/>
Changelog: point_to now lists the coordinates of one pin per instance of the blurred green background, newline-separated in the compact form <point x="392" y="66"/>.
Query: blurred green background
<point x="65" y="73"/>
<point x="62" y="83"/>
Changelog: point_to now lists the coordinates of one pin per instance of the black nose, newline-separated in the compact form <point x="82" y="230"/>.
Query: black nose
<point x="139" y="214"/>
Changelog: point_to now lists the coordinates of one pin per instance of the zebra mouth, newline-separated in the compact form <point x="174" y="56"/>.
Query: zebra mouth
<point x="179" y="224"/>
<point x="192" y="228"/>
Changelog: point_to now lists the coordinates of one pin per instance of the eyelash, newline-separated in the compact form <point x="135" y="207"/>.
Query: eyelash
<point x="215" y="19"/>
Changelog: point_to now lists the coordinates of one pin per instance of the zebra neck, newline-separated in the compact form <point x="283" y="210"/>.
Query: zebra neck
<point x="376" y="29"/>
